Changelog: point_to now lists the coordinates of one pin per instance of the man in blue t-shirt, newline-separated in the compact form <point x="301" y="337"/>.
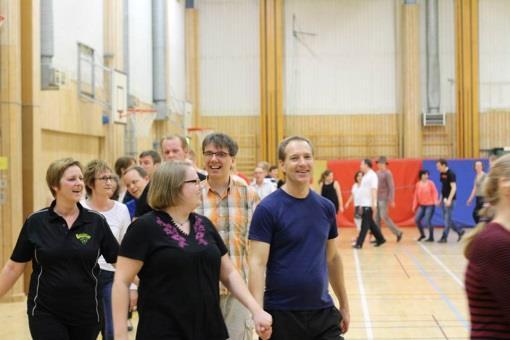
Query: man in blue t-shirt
<point x="293" y="246"/>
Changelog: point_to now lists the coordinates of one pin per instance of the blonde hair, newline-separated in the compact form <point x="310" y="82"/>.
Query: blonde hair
<point x="92" y="169"/>
<point x="166" y="184"/>
<point x="56" y="171"/>
<point x="490" y="188"/>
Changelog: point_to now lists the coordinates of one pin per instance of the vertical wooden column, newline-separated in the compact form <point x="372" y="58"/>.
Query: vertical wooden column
<point x="467" y="94"/>
<point x="11" y="201"/>
<point x="271" y="83"/>
<point x="410" y="127"/>
<point x="192" y="74"/>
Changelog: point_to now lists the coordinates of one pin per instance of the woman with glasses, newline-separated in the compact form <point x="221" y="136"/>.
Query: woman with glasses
<point x="100" y="186"/>
<point x="180" y="260"/>
<point x="63" y="242"/>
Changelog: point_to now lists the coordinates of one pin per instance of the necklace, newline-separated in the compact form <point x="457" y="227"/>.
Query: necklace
<point x="179" y="226"/>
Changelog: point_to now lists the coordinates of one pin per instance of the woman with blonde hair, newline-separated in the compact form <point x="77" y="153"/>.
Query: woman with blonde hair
<point x="180" y="259"/>
<point x="63" y="242"/>
<point x="488" y="253"/>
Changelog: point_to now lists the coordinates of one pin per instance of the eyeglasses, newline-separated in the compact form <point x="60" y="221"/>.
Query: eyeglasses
<point x="219" y="154"/>
<point x="194" y="181"/>
<point x="105" y="178"/>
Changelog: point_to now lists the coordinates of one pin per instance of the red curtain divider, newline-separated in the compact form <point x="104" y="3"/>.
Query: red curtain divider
<point x="405" y="175"/>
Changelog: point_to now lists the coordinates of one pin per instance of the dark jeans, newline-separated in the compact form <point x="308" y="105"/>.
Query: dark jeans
<point x="48" y="327"/>
<point x="320" y="324"/>
<point x="367" y="223"/>
<point x="105" y="287"/>
<point x="448" y="220"/>
<point x="478" y="207"/>
<point x="425" y="212"/>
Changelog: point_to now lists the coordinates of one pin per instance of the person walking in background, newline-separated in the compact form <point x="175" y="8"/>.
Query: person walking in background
<point x="447" y="199"/>
<point x="368" y="203"/>
<point x="64" y="242"/>
<point x="385" y="196"/>
<point x="294" y="255"/>
<point x="180" y="259"/>
<point x="356" y="198"/>
<point x="229" y="204"/>
<point x="476" y="193"/>
<point x="487" y="250"/>
<point x="330" y="188"/>
<point x="424" y="201"/>
<point x="99" y="185"/>
<point x="261" y="186"/>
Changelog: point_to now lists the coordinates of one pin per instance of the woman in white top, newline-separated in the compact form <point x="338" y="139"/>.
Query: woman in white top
<point x="356" y="187"/>
<point x="100" y="186"/>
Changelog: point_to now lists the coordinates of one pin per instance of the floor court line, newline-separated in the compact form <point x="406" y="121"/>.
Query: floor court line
<point x="442" y="265"/>
<point x="434" y="285"/>
<point x="363" y="298"/>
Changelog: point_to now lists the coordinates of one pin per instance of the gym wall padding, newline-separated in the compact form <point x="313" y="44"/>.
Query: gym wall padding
<point x="405" y="175"/>
<point x="464" y="170"/>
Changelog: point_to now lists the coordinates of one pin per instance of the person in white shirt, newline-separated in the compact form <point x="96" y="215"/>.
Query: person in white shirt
<point x="262" y="186"/>
<point x="99" y="184"/>
<point x="368" y="204"/>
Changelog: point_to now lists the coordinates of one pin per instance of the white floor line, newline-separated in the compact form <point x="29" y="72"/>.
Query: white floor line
<point x="442" y="265"/>
<point x="364" y="304"/>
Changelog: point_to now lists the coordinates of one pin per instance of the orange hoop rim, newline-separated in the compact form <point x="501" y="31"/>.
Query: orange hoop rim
<point x="198" y="129"/>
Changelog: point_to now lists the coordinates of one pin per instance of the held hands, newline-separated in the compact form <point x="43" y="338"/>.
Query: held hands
<point x="447" y="202"/>
<point x="133" y="300"/>
<point x="346" y="319"/>
<point x="263" y="324"/>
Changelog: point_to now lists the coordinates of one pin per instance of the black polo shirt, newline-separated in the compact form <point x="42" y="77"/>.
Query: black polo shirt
<point x="64" y="261"/>
<point x="447" y="178"/>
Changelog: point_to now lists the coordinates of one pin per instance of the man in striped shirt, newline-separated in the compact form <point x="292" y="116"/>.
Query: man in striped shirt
<point x="229" y="203"/>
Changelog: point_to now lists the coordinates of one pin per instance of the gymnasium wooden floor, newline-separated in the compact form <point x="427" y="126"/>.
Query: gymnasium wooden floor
<point x="408" y="290"/>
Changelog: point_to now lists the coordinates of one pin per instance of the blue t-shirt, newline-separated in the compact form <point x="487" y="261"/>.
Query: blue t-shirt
<point x="298" y="231"/>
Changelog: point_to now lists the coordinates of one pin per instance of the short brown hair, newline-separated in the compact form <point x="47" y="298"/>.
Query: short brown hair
<point x="156" y="158"/>
<point x="166" y="184"/>
<point x="141" y="171"/>
<point x="122" y="163"/>
<point x="184" y="141"/>
<point x="283" y="145"/>
<point x="56" y="171"/>
<point x="92" y="169"/>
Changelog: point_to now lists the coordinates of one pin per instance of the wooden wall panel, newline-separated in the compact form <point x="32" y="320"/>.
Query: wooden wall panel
<point x="347" y="136"/>
<point x="245" y="131"/>
<point x="494" y="130"/>
<point x="439" y="141"/>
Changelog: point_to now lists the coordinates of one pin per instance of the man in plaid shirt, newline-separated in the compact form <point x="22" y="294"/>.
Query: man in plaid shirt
<point x="229" y="203"/>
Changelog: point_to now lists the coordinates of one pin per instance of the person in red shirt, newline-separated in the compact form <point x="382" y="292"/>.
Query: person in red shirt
<point x="488" y="252"/>
<point x="424" y="201"/>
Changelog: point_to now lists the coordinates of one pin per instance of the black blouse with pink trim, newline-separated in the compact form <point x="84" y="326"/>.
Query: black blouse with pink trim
<point x="179" y="279"/>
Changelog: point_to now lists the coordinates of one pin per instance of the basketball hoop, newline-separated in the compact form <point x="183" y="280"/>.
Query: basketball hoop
<point x="199" y="132"/>
<point x="2" y="19"/>
<point x="141" y="120"/>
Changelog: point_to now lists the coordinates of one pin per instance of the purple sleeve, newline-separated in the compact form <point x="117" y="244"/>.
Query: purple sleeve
<point x="333" y="230"/>
<point x="498" y="275"/>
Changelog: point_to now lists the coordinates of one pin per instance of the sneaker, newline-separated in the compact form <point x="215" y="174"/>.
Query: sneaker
<point x="442" y="240"/>
<point x="377" y="244"/>
<point x="430" y="239"/>
<point x="422" y="237"/>
<point x="399" y="236"/>
<point x="460" y="235"/>
<point x="356" y="246"/>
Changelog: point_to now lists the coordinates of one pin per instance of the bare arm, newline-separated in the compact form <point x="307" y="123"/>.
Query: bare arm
<point x="349" y="200"/>
<point x="125" y="274"/>
<point x="336" y="279"/>
<point x="339" y="194"/>
<point x="452" y="193"/>
<point x="10" y="274"/>
<point x="257" y="261"/>
<point x="235" y="284"/>
<point x="472" y="195"/>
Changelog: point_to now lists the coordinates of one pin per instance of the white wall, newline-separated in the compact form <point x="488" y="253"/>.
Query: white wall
<point x="229" y="57"/>
<point x="494" y="44"/>
<point x="77" y="21"/>
<point x="176" y="56"/>
<point x="348" y="66"/>
<point x="140" y="50"/>
<point x="446" y="9"/>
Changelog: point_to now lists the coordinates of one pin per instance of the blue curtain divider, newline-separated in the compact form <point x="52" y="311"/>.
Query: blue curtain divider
<point x="464" y="170"/>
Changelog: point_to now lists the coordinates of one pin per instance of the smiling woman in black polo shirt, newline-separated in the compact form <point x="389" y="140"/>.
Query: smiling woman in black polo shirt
<point x="180" y="259"/>
<point x="63" y="242"/>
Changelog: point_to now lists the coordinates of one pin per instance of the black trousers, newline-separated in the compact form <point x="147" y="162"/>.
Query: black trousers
<point x="48" y="327"/>
<point x="478" y="207"/>
<point x="320" y="324"/>
<point x="367" y="223"/>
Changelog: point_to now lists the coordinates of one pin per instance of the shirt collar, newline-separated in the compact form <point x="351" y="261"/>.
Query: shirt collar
<point x="83" y="217"/>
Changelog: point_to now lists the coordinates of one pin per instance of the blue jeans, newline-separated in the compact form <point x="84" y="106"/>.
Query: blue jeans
<point x="448" y="221"/>
<point x="425" y="212"/>
<point x="105" y="286"/>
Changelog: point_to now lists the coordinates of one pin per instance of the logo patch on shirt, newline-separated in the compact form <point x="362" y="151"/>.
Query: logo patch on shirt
<point x="83" y="237"/>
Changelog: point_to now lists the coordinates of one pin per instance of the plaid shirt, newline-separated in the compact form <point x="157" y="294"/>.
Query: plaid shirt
<point x="231" y="214"/>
